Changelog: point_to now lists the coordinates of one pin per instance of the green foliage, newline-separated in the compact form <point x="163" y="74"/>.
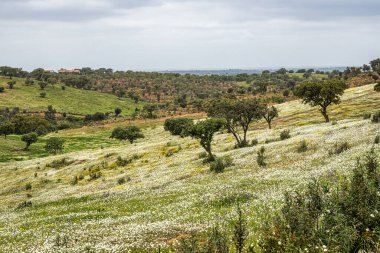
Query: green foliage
<point x="178" y="126"/>
<point x="54" y="145"/>
<point x="60" y="163"/>
<point x="204" y="131"/>
<point x="1" y="89"/>
<point x="240" y="232"/>
<point x="121" y="181"/>
<point x="302" y="147"/>
<point x="43" y="94"/>
<point x="11" y="84"/>
<point x="339" y="219"/>
<point x="7" y="128"/>
<point x="117" y="111"/>
<point x="122" y="161"/>
<point x="29" y="139"/>
<point x="254" y="142"/>
<point x="130" y="133"/>
<point x="221" y="163"/>
<point x="28" y="186"/>
<point x="218" y="241"/>
<point x="377" y="139"/>
<point x="261" y="157"/>
<point x="285" y="134"/>
<point x="321" y="93"/>
<point x="28" y="123"/>
<point x="376" y="117"/>
<point x="238" y="115"/>
<point x="269" y="113"/>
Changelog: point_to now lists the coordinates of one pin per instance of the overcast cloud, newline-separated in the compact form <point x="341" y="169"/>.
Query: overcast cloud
<point x="188" y="34"/>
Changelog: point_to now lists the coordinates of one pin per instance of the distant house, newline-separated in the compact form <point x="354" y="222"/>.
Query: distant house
<point x="50" y="71"/>
<point x="69" y="71"/>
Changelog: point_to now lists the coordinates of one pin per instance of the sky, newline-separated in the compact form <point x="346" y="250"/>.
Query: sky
<point x="188" y="34"/>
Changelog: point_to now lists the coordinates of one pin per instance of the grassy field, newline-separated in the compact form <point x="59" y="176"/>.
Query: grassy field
<point x="169" y="192"/>
<point x="70" y="100"/>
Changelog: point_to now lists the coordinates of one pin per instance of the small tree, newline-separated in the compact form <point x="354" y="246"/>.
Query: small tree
<point x="117" y="112"/>
<point x="130" y="133"/>
<point x="54" y="145"/>
<point x="321" y="93"/>
<point x="269" y="113"/>
<point x="29" y="139"/>
<point x="204" y="131"/>
<point x="6" y="129"/>
<point x="240" y="230"/>
<point x="42" y="85"/>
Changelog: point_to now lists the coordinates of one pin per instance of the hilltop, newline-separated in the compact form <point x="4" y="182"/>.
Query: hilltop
<point x="167" y="191"/>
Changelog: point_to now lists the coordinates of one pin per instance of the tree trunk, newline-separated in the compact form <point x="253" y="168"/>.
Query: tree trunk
<point x="270" y="124"/>
<point x="324" y="113"/>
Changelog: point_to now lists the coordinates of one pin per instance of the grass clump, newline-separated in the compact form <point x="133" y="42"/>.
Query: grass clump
<point x="60" y="163"/>
<point x="376" y="117"/>
<point x="285" y="134"/>
<point x="221" y="163"/>
<point x="261" y="157"/>
<point x="24" y="204"/>
<point x="302" y="147"/>
<point x="339" y="148"/>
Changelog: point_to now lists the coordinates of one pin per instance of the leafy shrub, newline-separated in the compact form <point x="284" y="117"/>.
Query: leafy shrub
<point x="339" y="148"/>
<point x="95" y="175"/>
<point x="43" y="94"/>
<point x="221" y="163"/>
<point x="326" y="216"/>
<point x="377" y="87"/>
<point x="218" y="240"/>
<point x="302" y="147"/>
<point x="261" y="157"/>
<point x="121" y="180"/>
<point x="54" y="145"/>
<point x="60" y="163"/>
<point x="240" y="231"/>
<point x="376" y="117"/>
<point x="98" y="116"/>
<point x="1" y="89"/>
<point x="285" y="134"/>
<point x="130" y="133"/>
<point x="367" y="115"/>
<point x="177" y="126"/>
<point x="123" y="161"/>
<point x="254" y="142"/>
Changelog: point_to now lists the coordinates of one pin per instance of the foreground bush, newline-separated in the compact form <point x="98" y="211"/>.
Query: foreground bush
<point x="336" y="219"/>
<point x="285" y="135"/>
<point x="54" y="145"/>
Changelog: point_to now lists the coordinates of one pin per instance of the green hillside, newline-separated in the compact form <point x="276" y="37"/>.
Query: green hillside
<point x="167" y="192"/>
<point x="70" y="100"/>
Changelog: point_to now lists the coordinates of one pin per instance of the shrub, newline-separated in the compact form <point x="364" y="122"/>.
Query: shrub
<point x="95" y="175"/>
<point x="254" y="142"/>
<point x="323" y="215"/>
<point x="57" y="164"/>
<point x="367" y="115"/>
<point x="376" y="117"/>
<point x="202" y="155"/>
<point x="218" y="240"/>
<point x="221" y="163"/>
<point x="54" y="145"/>
<point x="302" y="147"/>
<point x="1" y="89"/>
<point x="339" y="148"/>
<point x="29" y="139"/>
<point x="261" y="157"/>
<point x="28" y="186"/>
<point x="43" y="94"/>
<point x="178" y="126"/>
<point x="240" y="231"/>
<point x="63" y="87"/>
<point x="24" y="204"/>
<point x="130" y="133"/>
<point x="377" y="87"/>
<point x="377" y="139"/>
<point x="285" y="134"/>
<point x="122" y="161"/>
<point x="121" y="181"/>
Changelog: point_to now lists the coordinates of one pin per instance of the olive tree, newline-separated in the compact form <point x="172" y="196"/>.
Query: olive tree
<point x="204" y="131"/>
<point x="54" y="145"/>
<point x="29" y="139"/>
<point x="7" y="128"/>
<point x="269" y="113"/>
<point x="321" y="93"/>
<point x="130" y="133"/>
<point x="238" y="115"/>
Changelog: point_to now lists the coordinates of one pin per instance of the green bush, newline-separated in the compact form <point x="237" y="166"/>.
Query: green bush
<point x="285" y="134"/>
<point x="122" y="161"/>
<point x="28" y="186"/>
<point x="221" y="163"/>
<point x="254" y="142"/>
<point x="43" y="94"/>
<point x="377" y="139"/>
<point x="326" y="217"/>
<point x="54" y="145"/>
<point x="121" y="180"/>
<point x="1" y="89"/>
<point x="376" y="117"/>
<point x="261" y="157"/>
<point x="178" y="126"/>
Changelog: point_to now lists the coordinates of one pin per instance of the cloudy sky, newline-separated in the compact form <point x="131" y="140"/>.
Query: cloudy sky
<point x="188" y="34"/>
